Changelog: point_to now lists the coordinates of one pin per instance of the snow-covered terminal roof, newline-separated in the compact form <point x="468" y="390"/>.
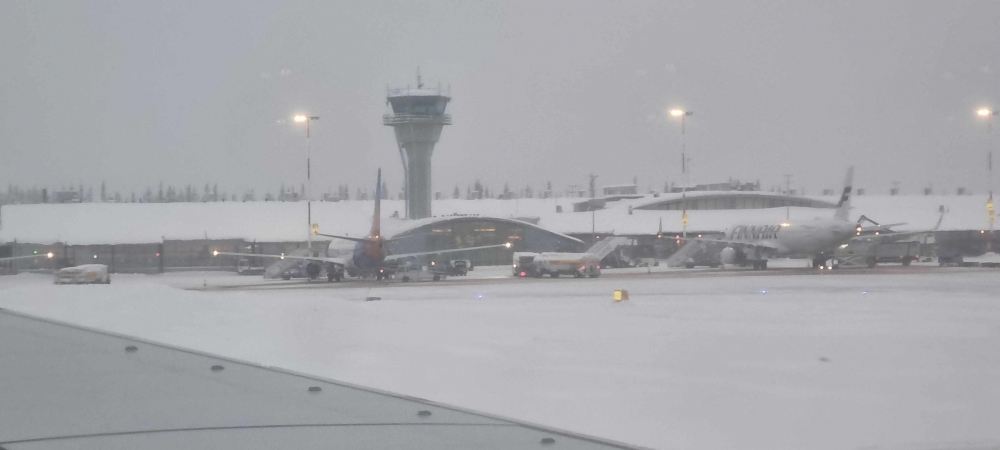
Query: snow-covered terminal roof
<point x="131" y="223"/>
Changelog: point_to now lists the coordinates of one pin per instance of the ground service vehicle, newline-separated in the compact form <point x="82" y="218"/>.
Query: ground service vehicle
<point x="903" y="252"/>
<point x="313" y="271"/>
<point x="554" y="264"/>
<point x="524" y="265"/>
<point x="85" y="274"/>
<point x="410" y="271"/>
<point x="460" y="266"/>
<point x="950" y="257"/>
<point x="455" y="268"/>
<point x="700" y="253"/>
<point x="243" y="267"/>
<point x="575" y="264"/>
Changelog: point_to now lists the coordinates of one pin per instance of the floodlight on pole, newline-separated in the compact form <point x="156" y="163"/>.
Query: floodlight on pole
<point x="308" y="120"/>
<point x="684" y="217"/>
<point x="987" y="114"/>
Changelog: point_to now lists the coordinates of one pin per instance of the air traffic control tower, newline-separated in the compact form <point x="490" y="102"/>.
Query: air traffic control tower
<point x="417" y="116"/>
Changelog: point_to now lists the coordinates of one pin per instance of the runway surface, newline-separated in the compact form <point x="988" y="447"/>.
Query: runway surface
<point x="790" y="358"/>
<point x="500" y="275"/>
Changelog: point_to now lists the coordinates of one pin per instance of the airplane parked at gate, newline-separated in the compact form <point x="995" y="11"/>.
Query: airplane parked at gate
<point x="370" y="257"/>
<point x="756" y="243"/>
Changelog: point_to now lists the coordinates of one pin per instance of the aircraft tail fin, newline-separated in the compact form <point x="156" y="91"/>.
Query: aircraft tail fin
<point x="376" y="221"/>
<point x="844" y="206"/>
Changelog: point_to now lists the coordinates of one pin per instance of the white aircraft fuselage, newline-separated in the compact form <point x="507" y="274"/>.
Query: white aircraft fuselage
<point x="813" y="237"/>
<point x="817" y="238"/>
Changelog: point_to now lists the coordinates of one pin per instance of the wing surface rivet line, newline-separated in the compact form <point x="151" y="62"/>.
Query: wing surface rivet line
<point x="217" y="368"/>
<point x="315" y="389"/>
<point x="423" y="413"/>
<point x="131" y="349"/>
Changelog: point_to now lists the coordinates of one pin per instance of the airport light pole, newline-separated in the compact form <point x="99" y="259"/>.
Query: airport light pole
<point x="987" y="114"/>
<point x="687" y="180"/>
<point x="788" y="193"/>
<point x="308" y="119"/>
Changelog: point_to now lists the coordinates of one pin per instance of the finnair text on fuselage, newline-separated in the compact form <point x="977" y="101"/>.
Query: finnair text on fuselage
<point x="754" y="232"/>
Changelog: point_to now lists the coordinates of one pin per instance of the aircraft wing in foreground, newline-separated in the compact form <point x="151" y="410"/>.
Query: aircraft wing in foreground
<point x="67" y="387"/>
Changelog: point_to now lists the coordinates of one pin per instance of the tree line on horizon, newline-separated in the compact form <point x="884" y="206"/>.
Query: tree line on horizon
<point x="210" y="192"/>
<point x="166" y="193"/>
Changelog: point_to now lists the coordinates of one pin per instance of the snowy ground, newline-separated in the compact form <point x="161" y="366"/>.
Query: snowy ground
<point x="823" y="361"/>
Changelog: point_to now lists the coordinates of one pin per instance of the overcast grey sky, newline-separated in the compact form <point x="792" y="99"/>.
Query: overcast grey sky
<point x="135" y="92"/>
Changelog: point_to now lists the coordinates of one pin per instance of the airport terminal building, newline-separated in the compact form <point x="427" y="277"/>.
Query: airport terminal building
<point x="150" y="238"/>
<point x="156" y="238"/>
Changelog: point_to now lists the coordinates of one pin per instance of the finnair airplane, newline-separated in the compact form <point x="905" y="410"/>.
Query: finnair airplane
<point x="370" y="255"/>
<point x="756" y="243"/>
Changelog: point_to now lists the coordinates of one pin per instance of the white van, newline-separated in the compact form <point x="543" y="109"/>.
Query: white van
<point x="85" y="274"/>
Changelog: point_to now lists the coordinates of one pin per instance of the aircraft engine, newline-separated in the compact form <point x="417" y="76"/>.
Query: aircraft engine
<point x="729" y="255"/>
<point x="313" y="269"/>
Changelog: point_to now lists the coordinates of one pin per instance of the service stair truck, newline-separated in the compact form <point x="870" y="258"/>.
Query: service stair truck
<point x="697" y="253"/>
<point x="288" y="268"/>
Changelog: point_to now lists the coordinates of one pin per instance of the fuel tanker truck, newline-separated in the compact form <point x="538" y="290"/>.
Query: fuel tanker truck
<point x="576" y="264"/>
<point x="555" y="264"/>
